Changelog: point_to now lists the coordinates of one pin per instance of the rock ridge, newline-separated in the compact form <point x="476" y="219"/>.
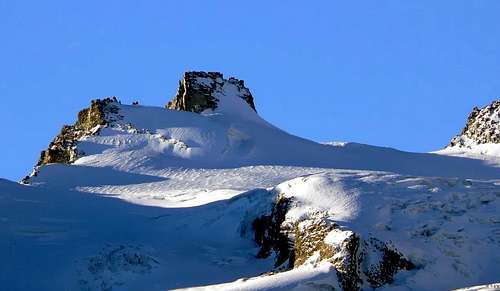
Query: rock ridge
<point x="483" y="126"/>
<point x="63" y="149"/>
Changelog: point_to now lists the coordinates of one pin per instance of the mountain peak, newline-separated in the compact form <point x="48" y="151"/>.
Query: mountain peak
<point x="482" y="127"/>
<point x="199" y="91"/>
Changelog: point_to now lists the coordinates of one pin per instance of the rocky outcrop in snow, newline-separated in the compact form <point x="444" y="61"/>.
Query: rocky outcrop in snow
<point x="63" y="149"/>
<point x="198" y="91"/>
<point x="483" y="127"/>
<point x="359" y="261"/>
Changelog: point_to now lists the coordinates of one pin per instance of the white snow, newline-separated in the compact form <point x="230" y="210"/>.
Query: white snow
<point x="230" y="104"/>
<point x="488" y="152"/>
<point x="336" y="236"/>
<point x="488" y="287"/>
<point x="303" y="278"/>
<point x="323" y="193"/>
<point x="164" y="199"/>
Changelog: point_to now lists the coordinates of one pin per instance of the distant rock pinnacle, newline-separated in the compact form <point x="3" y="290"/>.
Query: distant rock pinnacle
<point x="483" y="126"/>
<point x="198" y="91"/>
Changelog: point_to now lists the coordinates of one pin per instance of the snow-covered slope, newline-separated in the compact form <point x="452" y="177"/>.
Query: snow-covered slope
<point x="176" y="150"/>
<point x="152" y="139"/>
<point x="447" y="228"/>
<point x="215" y="195"/>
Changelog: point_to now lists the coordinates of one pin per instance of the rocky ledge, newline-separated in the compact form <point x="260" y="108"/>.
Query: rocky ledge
<point x="483" y="126"/>
<point x="199" y="91"/>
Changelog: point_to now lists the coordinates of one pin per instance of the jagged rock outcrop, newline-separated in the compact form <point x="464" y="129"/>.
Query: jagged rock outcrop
<point x="358" y="261"/>
<point x="63" y="149"/>
<point x="483" y="126"/>
<point x="199" y="91"/>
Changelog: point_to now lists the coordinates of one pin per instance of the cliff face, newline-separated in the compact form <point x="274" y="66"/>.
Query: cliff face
<point x="483" y="126"/>
<point x="198" y="91"/>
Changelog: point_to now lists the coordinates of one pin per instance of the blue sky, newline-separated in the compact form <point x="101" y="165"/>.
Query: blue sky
<point x="402" y="74"/>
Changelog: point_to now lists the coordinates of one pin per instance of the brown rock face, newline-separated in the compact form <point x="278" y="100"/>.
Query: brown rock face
<point x="63" y="148"/>
<point x="357" y="260"/>
<point x="483" y="126"/>
<point x="198" y="91"/>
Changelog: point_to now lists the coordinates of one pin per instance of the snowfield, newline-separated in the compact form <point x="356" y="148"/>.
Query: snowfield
<point x="163" y="199"/>
<point x="447" y="226"/>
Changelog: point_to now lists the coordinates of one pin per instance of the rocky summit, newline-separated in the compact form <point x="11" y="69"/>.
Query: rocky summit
<point x="199" y="91"/>
<point x="482" y="127"/>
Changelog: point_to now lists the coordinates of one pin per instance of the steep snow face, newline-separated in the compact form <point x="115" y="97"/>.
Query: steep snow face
<point x="481" y="134"/>
<point x="233" y="99"/>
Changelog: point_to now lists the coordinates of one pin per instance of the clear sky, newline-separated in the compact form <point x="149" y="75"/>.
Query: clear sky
<point x="402" y="74"/>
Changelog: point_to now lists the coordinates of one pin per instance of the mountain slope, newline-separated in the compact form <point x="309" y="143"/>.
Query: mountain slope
<point x="211" y="194"/>
<point x="159" y="143"/>
<point x="152" y="139"/>
<point x="447" y="228"/>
